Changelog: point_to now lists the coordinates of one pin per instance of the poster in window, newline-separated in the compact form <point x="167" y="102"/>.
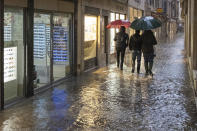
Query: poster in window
<point x="10" y="62"/>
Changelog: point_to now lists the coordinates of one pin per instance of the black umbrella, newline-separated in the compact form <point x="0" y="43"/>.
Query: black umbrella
<point x="146" y="23"/>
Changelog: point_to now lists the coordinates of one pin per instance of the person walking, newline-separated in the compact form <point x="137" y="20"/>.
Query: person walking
<point x="135" y="47"/>
<point x="121" y="39"/>
<point x="148" y="41"/>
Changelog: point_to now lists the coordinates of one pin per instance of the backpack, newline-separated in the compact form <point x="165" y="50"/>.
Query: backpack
<point x="121" y="39"/>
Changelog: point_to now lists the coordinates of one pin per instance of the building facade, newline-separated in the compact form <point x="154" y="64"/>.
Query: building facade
<point x="189" y="10"/>
<point x="36" y="46"/>
<point x="95" y="43"/>
<point x="43" y="42"/>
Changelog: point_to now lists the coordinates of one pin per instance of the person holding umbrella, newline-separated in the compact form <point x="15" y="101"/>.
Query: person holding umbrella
<point x="135" y="47"/>
<point x="121" y="39"/>
<point x="147" y="39"/>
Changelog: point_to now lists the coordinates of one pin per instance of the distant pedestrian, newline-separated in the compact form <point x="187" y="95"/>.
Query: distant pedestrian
<point x="135" y="46"/>
<point x="148" y="41"/>
<point x="121" y="39"/>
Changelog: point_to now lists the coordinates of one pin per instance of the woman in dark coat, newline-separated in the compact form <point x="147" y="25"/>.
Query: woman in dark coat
<point x="121" y="39"/>
<point x="148" y="41"/>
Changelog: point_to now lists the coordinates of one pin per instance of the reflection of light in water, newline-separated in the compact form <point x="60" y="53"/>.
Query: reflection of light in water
<point x="60" y="105"/>
<point x="59" y="98"/>
<point x="90" y="99"/>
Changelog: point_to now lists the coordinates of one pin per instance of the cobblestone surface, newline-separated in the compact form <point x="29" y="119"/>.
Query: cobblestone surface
<point x="110" y="99"/>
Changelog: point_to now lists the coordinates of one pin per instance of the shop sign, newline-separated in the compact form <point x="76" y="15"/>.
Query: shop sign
<point x="159" y="10"/>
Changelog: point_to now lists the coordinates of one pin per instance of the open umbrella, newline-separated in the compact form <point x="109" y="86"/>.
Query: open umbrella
<point x="146" y="23"/>
<point x="119" y="23"/>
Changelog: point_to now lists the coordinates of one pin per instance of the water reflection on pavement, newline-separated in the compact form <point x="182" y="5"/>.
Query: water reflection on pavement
<point x="110" y="99"/>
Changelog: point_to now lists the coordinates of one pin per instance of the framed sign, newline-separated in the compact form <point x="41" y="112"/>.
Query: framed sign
<point x="10" y="64"/>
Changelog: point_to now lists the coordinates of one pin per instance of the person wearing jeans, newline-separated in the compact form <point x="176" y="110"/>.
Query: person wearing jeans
<point x="135" y="47"/>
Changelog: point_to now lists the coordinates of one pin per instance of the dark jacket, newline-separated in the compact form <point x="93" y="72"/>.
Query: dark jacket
<point x="121" y="39"/>
<point x="135" y="43"/>
<point x="148" y="40"/>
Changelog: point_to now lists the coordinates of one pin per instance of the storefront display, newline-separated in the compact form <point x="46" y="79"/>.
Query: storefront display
<point x="42" y="49"/>
<point x="90" y="37"/>
<point x="60" y="45"/>
<point x="56" y="46"/>
<point x="40" y="36"/>
<point x="7" y="26"/>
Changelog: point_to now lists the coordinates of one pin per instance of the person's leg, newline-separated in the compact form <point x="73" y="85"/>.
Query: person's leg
<point x="146" y="63"/>
<point x="122" y="58"/>
<point x="118" y="57"/>
<point x="138" y="61"/>
<point x="133" y="61"/>
<point x="151" y="64"/>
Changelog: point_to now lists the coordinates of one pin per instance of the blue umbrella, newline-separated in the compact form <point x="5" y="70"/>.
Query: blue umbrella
<point x="146" y="23"/>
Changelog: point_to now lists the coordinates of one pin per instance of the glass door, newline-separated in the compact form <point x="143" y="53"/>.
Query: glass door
<point x="42" y="48"/>
<point x="13" y="54"/>
<point x="61" y="45"/>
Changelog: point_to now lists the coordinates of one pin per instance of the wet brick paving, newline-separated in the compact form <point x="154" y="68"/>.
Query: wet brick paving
<point x="112" y="100"/>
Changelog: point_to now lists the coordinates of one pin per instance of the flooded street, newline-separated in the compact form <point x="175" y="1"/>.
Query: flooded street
<point x="109" y="99"/>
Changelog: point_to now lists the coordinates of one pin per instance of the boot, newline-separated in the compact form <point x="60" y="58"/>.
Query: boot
<point x="146" y="68"/>
<point x="133" y="67"/>
<point x="121" y="66"/>
<point x="138" y="68"/>
<point x="150" y="68"/>
<point x="117" y="65"/>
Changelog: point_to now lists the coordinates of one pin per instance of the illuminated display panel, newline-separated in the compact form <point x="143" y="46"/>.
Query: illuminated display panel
<point x="90" y="37"/>
<point x="10" y="64"/>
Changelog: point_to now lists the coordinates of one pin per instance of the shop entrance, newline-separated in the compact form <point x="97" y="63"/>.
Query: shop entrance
<point x="90" y="42"/>
<point x="52" y="42"/>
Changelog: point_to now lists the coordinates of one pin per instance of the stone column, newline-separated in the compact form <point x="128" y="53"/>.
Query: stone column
<point x="189" y="28"/>
<point x="30" y="61"/>
<point x="80" y="36"/>
<point x="1" y="54"/>
<point x="194" y="33"/>
<point x="75" y="48"/>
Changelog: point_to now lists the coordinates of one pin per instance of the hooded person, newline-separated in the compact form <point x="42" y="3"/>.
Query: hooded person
<point x="121" y="39"/>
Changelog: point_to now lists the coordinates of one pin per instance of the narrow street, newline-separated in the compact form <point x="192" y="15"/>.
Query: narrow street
<point x="110" y="99"/>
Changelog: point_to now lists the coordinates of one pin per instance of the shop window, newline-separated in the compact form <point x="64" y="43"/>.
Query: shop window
<point x="135" y="14"/>
<point x="114" y="16"/>
<point x="122" y="17"/>
<point x="42" y="48"/>
<point x="90" y="37"/>
<point x="61" y="45"/>
<point x="13" y="54"/>
<point x="112" y="35"/>
<point x="117" y="16"/>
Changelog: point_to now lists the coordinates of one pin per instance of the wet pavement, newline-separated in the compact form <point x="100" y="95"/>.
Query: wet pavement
<point x="110" y="99"/>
